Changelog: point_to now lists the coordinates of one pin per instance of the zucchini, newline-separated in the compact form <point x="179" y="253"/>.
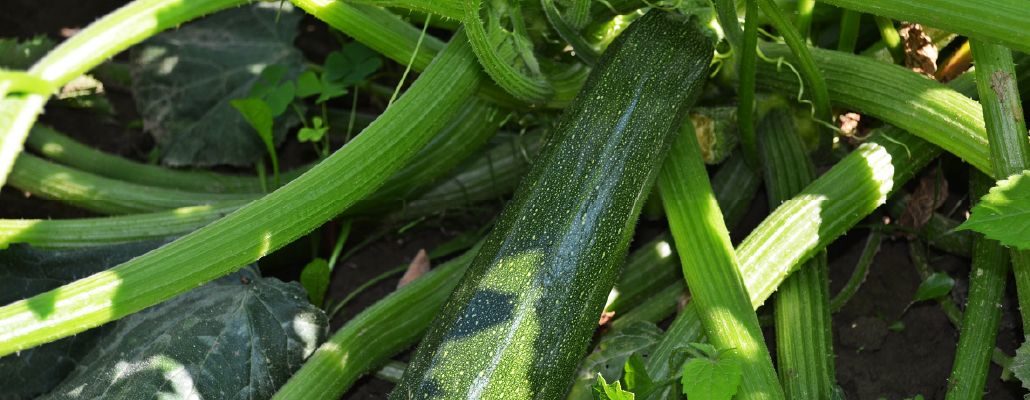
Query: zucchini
<point x="520" y="320"/>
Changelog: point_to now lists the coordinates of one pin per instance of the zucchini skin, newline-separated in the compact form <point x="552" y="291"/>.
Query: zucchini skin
<point x="521" y="318"/>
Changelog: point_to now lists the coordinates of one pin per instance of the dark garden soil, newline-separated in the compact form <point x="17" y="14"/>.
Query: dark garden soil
<point x="880" y="352"/>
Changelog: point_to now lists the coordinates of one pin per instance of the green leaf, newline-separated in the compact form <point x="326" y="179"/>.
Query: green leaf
<point x="935" y="286"/>
<point x="20" y="54"/>
<point x="712" y="378"/>
<point x="184" y="81"/>
<point x="258" y="114"/>
<point x="268" y="88"/>
<point x="1021" y="363"/>
<point x="315" y="279"/>
<point x="345" y="68"/>
<point x="26" y="271"/>
<point x="612" y="353"/>
<point x="351" y="64"/>
<point x="635" y="376"/>
<point x="239" y="337"/>
<point x="706" y="349"/>
<point x="1004" y="213"/>
<point x="267" y="80"/>
<point x="314" y="133"/>
<point x="308" y="84"/>
<point x="605" y="391"/>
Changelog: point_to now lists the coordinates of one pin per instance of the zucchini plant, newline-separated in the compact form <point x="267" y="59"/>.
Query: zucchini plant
<point x="544" y="270"/>
<point x="622" y="185"/>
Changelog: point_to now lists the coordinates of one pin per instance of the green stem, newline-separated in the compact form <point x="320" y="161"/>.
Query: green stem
<point x="71" y="233"/>
<point x="895" y="95"/>
<point x="1006" y="130"/>
<point x="391" y="36"/>
<point x="804" y="338"/>
<point x="979" y="328"/>
<point x="583" y="50"/>
<point x="710" y="267"/>
<point x="364" y="286"/>
<point x="649" y="269"/>
<point x="804" y="19"/>
<point x="1003" y="111"/>
<point x="746" y="86"/>
<point x="465" y="134"/>
<point x="826" y="209"/>
<point x="67" y="151"/>
<point x="109" y="196"/>
<point x="489" y="176"/>
<point x="735" y="185"/>
<point x="525" y="85"/>
<point x="444" y="8"/>
<point x="999" y="21"/>
<point x="259" y="227"/>
<point x="891" y="39"/>
<point x="869" y="251"/>
<point x="918" y="255"/>
<point x="407" y="68"/>
<point x="652" y="263"/>
<point x="726" y="12"/>
<point x="850" y="22"/>
<point x="341" y="239"/>
<point x="815" y="83"/>
<point x="99" y="41"/>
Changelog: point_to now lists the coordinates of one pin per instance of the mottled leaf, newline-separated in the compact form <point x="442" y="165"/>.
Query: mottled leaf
<point x="712" y="378"/>
<point x="183" y="81"/>
<point x="1004" y="213"/>
<point x="238" y="337"/>
<point x="26" y="271"/>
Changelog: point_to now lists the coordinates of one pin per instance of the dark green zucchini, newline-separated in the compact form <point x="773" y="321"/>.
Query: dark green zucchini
<point x="520" y="320"/>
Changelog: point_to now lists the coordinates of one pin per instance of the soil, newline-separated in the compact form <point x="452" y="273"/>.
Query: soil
<point x="876" y="357"/>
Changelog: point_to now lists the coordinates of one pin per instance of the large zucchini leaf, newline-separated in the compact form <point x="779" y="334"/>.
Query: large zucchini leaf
<point x="238" y="337"/>
<point x="184" y="80"/>
<point x="24" y="272"/>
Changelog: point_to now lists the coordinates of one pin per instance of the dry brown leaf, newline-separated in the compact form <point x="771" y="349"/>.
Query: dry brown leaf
<point x="418" y="267"/>
<point x="929" y="196"/>
<point x="920" y="52"/>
